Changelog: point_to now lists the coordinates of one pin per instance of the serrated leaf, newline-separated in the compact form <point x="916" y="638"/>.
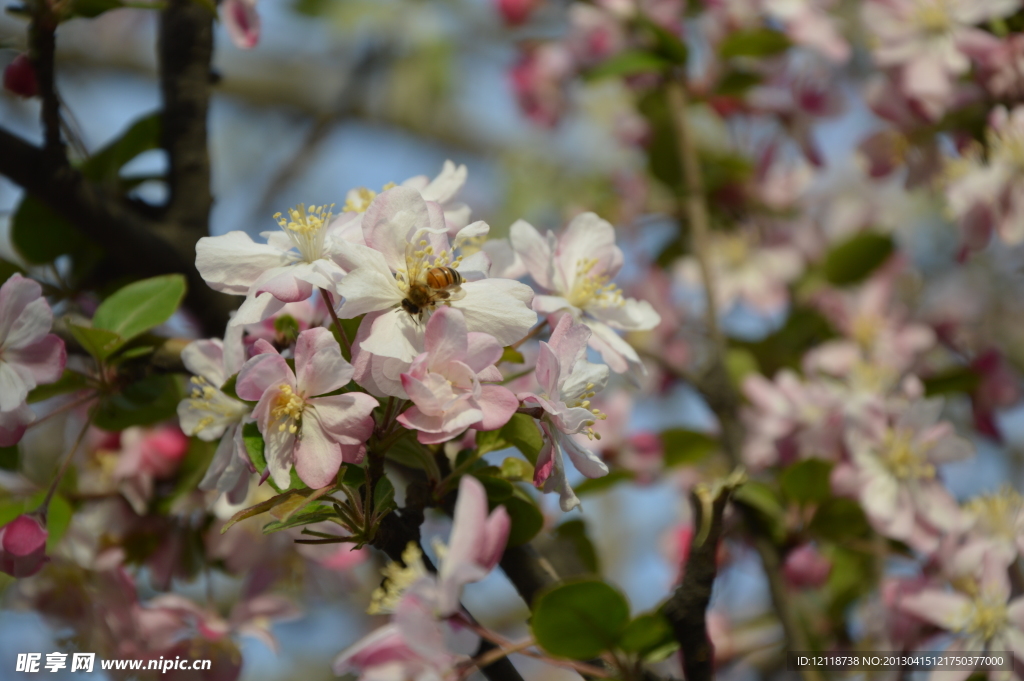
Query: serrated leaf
<point x="807" y="481"/>
<point x="591" y="485"/>
<point x="857" y="257"/>
<point x="579" y="620"/>
<point x="140" y="306"/>
<point x="759" y="42"/>
<point x="100" y="343"/>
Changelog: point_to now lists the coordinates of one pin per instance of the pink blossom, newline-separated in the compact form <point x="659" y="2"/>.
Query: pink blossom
<point x="1001" y="66"/>
<point x="594" y="34"/>
<point x="23" y="546"/>
<point x="20" y="77"/>
<point x="539" y="80"/>
<point x="444" y="382"/>
<point x="576" y="268"/>
<point x="986" y="194"/>
<point x="147" y="455"/>
<point x="896" y="460"/>
<point x="407" y="238"/>
<point x="29" y="354"/>
<point x="567" y="382"/>
<point x="809" y="23"/>
<point x="242" y="21"/>
<point x="443" y="190"/>
<point x="806" y="568"/>
<point x="981" y="618"/>
<point x="516" y="12"/>
<point x="925" y="40"/>
<point x="998" y="388"/>
<point x="300" y="423"/>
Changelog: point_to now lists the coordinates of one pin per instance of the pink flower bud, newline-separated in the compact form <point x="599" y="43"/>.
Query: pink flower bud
<point x="516" y="12"/>
<point x="806" y="568"/>
<point x="20" y="77"/>
<point x="22" y="546"/>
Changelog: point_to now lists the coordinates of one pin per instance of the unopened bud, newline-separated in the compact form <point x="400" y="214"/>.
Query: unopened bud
<point x="22" y="546"/>
<point x="20" y="77"/>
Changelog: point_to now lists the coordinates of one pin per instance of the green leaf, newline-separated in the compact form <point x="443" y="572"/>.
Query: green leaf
<point x="807" y="481"/>
<point x="687" y="447"/>
<point x="254" y="446"/>
<point x="591" y="485"/>
<point x="574" y="533"/>
<point x="498" y="490"/>
<point x="846" y="581"/>
<point x="511" y="355"/>
<point x="287" y="328"/>
<point x="759" y="42"/>
<point x="40" y="235"/>
<point x="803" y="329"/>
<point x="527" y="520"/>
<point x="9" y="458"/>
<point x="99" y="343"/>
<point x="857" y="257"/>
<point x="667" y="44"/>
<point x="317" y="513"/>
<point x="145" y="402"/>
<point x="58" y="518"/>
<point x="740" y="363"/>
<point x="766" y="504"/>
<point x="628" y="63"/>
<point x="9" y="269"/>
<point x="580" y="619"/>
<point x="94" y="8"/>
<point x="522" y="433"/>
<point x="140" y="306"/>
<point x="840" y="519"/>
<point x="955" y="380"/>
<point x="516" y="470"/>
<point x="70" y="381"/>
<point x="141" y="136"/>
<point x="646" y="633"/>
<point x="383" y="497"/>
<point x="736" y="83"/>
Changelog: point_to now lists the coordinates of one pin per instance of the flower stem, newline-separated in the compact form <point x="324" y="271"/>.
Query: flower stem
<point x="62" y="409"/>
<point x="345" y="345"/>
<point x="44" y="507"/>
<point x="533" y="332"/>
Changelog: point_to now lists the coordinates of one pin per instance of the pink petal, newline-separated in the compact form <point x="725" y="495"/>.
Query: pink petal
<point x="317" y="456"/>
<point x="319" y="366"/>
<point x="535" y="251"/>
<point x="261" y="373"/>
<point x="944" y="609"/>
<point x="498" y="405"/>
<point x="445" y="339"/>
<point x="44" y="360"/>
<point x="242" y="22"/>
<point x="285" y="287"/>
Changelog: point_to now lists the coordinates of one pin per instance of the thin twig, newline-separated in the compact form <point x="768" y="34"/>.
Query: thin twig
<point x="715" y="385"/>
<point x="64" y="467"/>
<point x="342" y="338"/>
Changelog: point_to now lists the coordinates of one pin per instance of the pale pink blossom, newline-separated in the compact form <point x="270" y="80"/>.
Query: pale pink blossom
<point x="926" y="39"/>
<point x="147" y="455"/>
<point x="896" y="458"/>
<point x="211" y="415"/>
<point x="29" y="354"/>
<point x="443" y="191"/>
<point x="986" y="194"/>
<point x="445" y="382"/>
<point x="23" y="546"/>
<point x="806" y="568"/>
<point x="1000" y="66"/>
<point x="567" y="382"/>
<point x="981" y="617"/>
<point x="757" y="276"/>
<point x="810" y="23"/>
<point x="242" y="21"/>
<point x="406" y="237"/>
<point x="308" y="252"/>
<point x="539" y="80"/>
<point x="790" y="419"/>
<point x="575" y="269"/>
<point x="594" y="34"/>
<point x="300" y="422"/>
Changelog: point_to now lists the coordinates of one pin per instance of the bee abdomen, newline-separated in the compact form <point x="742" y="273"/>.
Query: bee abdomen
<point x="439" y="278"/>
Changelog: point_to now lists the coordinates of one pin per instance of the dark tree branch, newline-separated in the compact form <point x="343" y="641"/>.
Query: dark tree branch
<point x="111" y="222"/>
<point x="686" y="609"/>
<point x="186" y="50"/>
<point x="43" y="41"/>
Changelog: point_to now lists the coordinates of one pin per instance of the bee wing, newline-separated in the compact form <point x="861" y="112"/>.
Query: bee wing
<point x="456" y="293"/>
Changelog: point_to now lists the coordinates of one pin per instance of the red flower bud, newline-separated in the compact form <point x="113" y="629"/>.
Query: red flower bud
<point x="806" y="568"/>
<point x="22" y="546"/>
<point x="515" y="12"/>
<point x="20" y="77"/>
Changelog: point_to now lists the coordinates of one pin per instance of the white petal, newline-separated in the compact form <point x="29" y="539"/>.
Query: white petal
<point x="231" y="263"/>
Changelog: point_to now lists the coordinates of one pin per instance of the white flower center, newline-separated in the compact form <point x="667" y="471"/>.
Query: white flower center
<point x="397" y="580"/>
<point x="1008" y="147"/>
<point x="997" y="514"/>
<point x="985" y="617"/>
<point x="306" y="228"/>
<point x="588" y="289"/>
<point x="216" y="404"/>
<point x="287" y="409"/>
<point x="904" y="459"/>
<point x="419" y="260"/>
<point x="583" y="401"/>
<point x="933" y="17"/>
